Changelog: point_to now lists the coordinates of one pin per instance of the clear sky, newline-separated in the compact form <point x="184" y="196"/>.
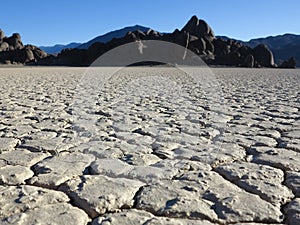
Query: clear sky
<point x="48" y="22"/>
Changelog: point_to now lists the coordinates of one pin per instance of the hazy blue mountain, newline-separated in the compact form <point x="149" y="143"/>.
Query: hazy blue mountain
<point x="113" y="34"/>
<point x="57" y="48"/>
<point x="223" y="37"/>
<point x="276" y="41"/>
<point x="102" y="38"/>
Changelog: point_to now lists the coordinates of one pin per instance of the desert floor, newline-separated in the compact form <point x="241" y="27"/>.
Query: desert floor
<point x="149" y="145"/>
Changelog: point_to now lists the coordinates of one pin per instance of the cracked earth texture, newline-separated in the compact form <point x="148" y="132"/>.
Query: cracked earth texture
<point x="149" y="146"/>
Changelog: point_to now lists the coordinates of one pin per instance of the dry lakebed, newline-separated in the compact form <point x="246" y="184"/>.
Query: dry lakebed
<point x="149" y="146"/>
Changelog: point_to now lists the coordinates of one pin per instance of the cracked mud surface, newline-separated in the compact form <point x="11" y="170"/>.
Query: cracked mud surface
<point x="149" y="146"/>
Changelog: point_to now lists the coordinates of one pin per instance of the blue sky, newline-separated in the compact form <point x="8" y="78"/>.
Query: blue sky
<point x="43" y="22"/>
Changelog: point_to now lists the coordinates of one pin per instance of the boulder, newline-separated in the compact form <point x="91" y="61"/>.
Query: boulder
<point x="249" y="61"/>
<point x="198" y="44"/>
<point x="14" y="41"/>
<point x="29" y="55"/>
<point x="37" y="52"/>
<point x="263" y="56"/>
<point x="4" y="46"/>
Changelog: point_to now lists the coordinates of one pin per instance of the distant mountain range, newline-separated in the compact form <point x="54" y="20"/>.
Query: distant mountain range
<point x="102" y="38"/>
<point x="58" y="48"/>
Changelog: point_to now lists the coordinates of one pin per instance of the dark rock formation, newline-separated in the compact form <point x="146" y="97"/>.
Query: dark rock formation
<point x="230" y="52"/>
<point x="199" y="28"/>
<point x="14" y="41"/>
<point x="290" y="63"/>
<point x="263" y="55"/>
<point x="196" y="35"/>
<point x="12" y="50"/>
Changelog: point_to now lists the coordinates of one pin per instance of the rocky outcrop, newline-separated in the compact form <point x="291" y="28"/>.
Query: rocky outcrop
<point x="12" y="50"/>
<point x="234" y="53"/>
<point x="199" y="28"/>
<point x="196" y="35"/>
<point x="14" y="41"/>
<point x="200" y="36"/>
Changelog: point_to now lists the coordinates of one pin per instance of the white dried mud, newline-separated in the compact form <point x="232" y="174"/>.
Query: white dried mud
<point x="149" y="145"/>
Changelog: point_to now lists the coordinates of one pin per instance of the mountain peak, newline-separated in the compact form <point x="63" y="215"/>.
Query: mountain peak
<point x="194" y="18"/>
<point x="199" y="28"/>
